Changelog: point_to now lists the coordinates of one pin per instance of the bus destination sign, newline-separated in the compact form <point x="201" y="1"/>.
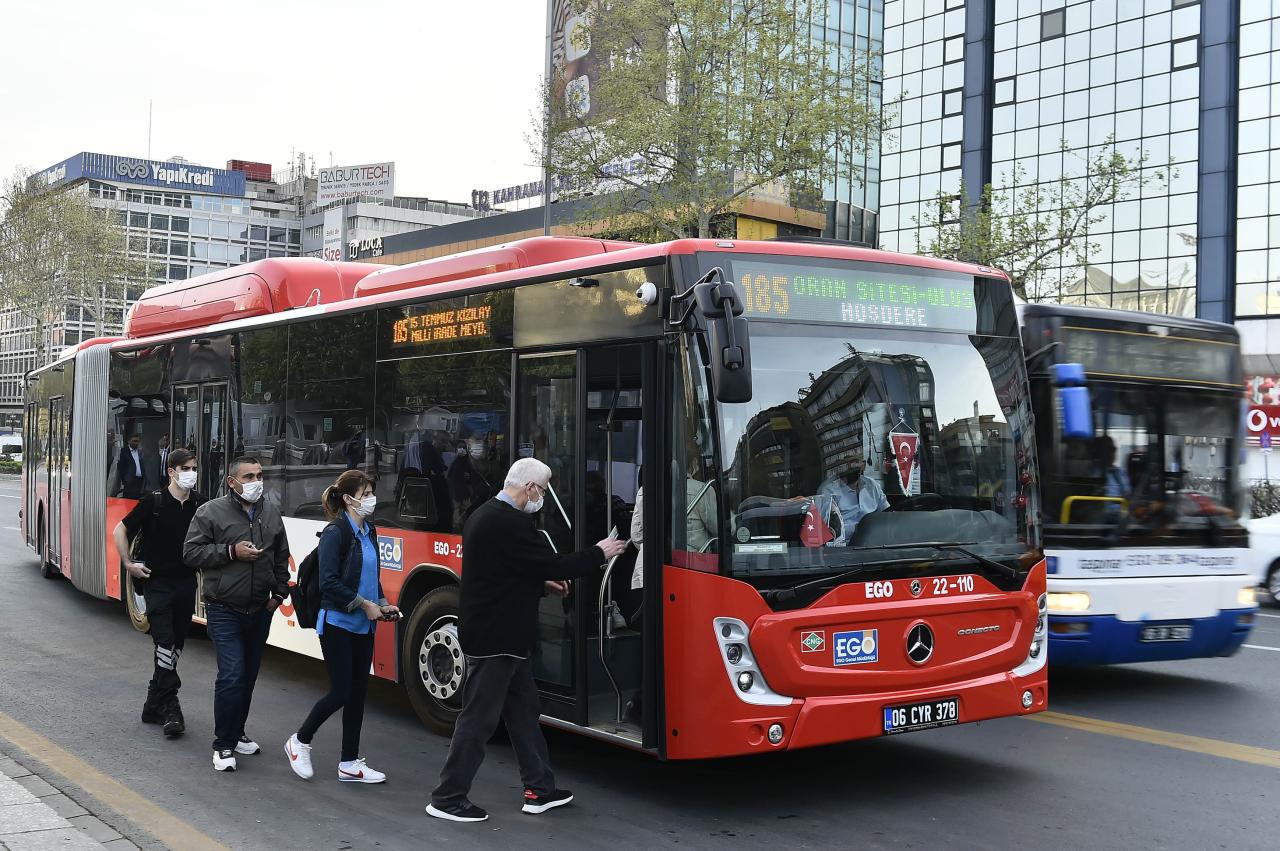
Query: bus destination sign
<point x="1158" y="357"/>
<point x="442" y="326"/>
<point x="857" y="294"/>
<point x="459" y="324"/>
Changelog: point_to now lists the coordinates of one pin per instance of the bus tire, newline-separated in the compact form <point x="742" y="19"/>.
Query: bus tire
<point x="135" y="605"/>
<point x="434" y="666"/>
<point x="47" y="568"/>
<point x="1273" y="581"/>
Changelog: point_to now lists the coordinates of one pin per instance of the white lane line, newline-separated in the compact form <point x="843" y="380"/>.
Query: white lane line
<point x="1265" y="615"/>
<point x="10" y="496"/>
<point x="1261" y="647"/>
<point x="12" y="528"/>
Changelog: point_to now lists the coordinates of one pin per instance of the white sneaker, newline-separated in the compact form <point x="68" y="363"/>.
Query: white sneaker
<point x="247" y="746"/>
<point x="357" y="772"/>
<point x="224" y="761"/>
<point x="299" y="757"/>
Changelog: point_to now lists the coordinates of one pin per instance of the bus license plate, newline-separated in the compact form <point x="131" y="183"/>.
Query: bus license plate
<point x="925" y="715"/>
<point x="1165" y="633"/>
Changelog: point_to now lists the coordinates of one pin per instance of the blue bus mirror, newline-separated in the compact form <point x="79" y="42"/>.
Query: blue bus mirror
<point x="1073" y="398"/>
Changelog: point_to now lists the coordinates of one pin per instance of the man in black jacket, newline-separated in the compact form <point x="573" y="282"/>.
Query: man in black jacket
<point x="167" y="582"/>
<point x="239" y="542"/>
<point x="506" y="567"/>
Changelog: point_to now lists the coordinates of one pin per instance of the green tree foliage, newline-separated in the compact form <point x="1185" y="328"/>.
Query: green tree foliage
<point x="1027" y="228"/>
<point x="710" y="101"/>
<point x="58" y="250"/>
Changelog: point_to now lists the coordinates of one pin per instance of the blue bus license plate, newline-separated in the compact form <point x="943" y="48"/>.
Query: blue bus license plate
<point x="942" y="712"/>
<point x="1179" y="632"/>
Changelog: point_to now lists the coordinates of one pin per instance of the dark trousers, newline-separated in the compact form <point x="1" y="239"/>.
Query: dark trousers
<point x="239" y="640"/>
<point x="496" y="688"/>
<point x="347" y="657"/>
<point x="170" y="604"/>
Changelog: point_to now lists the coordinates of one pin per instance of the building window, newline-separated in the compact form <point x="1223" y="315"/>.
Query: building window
<point x="1006" y="90"/>
<point x="953" y="49"/>
<point x="137" y="220"/>
<point x="953" y="102"/>
<point x="1178" y="4"/>
<point x="1053" y="24"/>
<point x="1186" y="52"/>
<point x="951" y="155"/>
<point x="159" y="222"/>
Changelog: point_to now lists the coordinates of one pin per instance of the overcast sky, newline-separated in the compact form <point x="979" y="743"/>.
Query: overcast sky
<point x="446" y="89"/>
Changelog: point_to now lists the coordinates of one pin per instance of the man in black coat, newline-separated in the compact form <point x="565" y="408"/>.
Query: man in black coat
<point x="130" y="468"/>
<point x="507" y="565"/>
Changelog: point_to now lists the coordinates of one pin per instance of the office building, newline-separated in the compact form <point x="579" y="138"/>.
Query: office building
<point x="183" y="219"/>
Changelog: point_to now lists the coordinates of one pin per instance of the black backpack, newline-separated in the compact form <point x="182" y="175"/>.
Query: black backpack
<point x="305" y="594"/>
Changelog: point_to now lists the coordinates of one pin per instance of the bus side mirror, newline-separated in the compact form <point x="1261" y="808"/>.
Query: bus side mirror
<point x="728" y="340"/>
<point x="1073" y="398"/>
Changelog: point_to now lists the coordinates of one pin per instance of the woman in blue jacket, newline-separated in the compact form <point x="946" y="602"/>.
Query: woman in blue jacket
<point x="351" y="604"/>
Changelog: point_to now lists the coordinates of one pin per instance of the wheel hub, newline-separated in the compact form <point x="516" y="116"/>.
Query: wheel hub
<point x="440" y="661"/>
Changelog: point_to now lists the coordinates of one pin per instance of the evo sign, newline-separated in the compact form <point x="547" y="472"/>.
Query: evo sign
<point x="134" y="171"/>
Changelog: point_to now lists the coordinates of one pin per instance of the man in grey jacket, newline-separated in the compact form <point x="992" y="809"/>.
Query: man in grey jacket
<point x="239" y="543"/>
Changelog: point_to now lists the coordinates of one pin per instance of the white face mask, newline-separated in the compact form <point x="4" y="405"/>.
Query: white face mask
<point x="252" y="492"/>
<point x="534" y="506"/>
<point x="366" y="506"/>
<point x="187" y="479"/>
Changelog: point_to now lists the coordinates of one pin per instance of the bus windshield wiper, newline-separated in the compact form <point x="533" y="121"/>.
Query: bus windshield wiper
<point x="958" y="547"/>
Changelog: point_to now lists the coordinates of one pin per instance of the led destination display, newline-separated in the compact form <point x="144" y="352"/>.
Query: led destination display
<point x="891" y="296"/>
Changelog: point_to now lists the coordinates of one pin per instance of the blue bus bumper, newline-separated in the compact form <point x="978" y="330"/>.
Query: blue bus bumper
<point x="1104" y="640"/>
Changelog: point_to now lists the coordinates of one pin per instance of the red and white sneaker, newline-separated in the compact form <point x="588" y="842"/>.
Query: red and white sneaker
<point x="356" y="771"/>
<point x="299" y="757"/>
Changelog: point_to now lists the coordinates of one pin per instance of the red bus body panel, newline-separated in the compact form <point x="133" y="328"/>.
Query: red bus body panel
<point x="706" y="717"/>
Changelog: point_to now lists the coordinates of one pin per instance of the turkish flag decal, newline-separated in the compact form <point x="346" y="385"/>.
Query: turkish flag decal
<point x="904" y="456"/>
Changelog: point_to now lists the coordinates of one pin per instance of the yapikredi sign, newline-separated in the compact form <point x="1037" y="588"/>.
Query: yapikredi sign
<point x="166" y="175"/>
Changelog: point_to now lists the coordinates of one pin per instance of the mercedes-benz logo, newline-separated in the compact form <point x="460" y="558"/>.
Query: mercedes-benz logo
<point x="920" y="643"/>
<point x="915" y="588"/>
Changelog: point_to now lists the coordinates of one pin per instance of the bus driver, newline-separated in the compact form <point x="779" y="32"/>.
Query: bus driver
<point x="855" y="497"/>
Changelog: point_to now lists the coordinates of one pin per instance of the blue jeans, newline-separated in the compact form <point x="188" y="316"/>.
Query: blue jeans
<point x="239" y="641"/>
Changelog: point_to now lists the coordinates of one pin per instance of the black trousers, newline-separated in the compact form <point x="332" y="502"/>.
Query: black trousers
<point x="347" y="656"/>
<point x="170" y="604"/>
<point x="496" y="688"/>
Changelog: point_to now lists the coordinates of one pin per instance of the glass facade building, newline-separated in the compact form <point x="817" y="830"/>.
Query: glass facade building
<point x="1258" y="193"/>
<point x="1019" y="92"/>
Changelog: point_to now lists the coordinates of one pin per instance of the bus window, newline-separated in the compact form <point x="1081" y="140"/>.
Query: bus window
<point x="439" y="447"/>
<point x="258" y="409"/>
<point x="695" y="523"/>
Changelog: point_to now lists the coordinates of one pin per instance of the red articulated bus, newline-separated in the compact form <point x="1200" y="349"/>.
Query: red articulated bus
<point x="824" y="454"/>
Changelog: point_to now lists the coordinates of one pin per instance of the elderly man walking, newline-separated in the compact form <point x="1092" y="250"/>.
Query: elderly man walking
<point x="506" y="567"/>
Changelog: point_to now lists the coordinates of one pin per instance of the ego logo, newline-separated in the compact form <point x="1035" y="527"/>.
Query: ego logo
<point x="879" y="590"/>
<point x="855" y="647"/>
<point x="390" y="553"/>
<point x="129" y="168"/>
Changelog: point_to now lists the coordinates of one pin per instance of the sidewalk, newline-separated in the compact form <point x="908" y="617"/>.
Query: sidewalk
<point x="34" y="816"/>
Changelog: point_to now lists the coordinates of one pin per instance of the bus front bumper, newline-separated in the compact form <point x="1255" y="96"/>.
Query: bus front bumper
<point x="1107" y="640"/>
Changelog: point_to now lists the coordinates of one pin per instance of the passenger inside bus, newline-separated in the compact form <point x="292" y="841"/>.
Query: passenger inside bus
<point x="856" y="495"/>
<point x="1115" y="480"/>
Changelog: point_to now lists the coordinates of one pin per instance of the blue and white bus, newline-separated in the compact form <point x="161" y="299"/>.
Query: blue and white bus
<point x="1139" y="424"/>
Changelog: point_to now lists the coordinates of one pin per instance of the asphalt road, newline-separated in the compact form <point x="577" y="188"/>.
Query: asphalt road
<point x="72" y="669"/>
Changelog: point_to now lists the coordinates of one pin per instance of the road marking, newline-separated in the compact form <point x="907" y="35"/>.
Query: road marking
<point x="10" y="496"/>
<point x="159" y="822"/>
<point x="1265" y="615"/>
<point x="13" y="528"/>
<point x="1260" y="647"/>
<point x="1180" y="741"/>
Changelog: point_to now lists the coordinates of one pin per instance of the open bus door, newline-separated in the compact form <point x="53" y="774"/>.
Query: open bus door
<point x="580" y="412"/>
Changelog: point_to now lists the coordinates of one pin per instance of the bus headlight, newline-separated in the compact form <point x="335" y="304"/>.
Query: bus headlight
<point x="1246" y="597"/>
<point x="1068" y="601"/>
<point x="745" y="681"/>
<point x="733" y="653"/>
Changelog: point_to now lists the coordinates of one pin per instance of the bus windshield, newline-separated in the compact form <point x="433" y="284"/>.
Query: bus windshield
<point x="859" y="440"/>
<point x="1168" y="453"/>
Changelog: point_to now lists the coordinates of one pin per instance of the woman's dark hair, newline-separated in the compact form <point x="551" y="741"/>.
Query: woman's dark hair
<point x="349" y="484"/>
<point x="177" y="458"/>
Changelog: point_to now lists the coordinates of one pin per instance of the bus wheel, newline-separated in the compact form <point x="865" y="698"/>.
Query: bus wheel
<point x="434" y="666"/>
<point x="135" y="605"/>
<point x="47" y="568"/>
<point x="1273" y="582"/>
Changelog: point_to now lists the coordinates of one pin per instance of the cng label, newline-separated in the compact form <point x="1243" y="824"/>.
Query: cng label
<point x="390" y="553"/>
<point x="855" y="647"/>
<point x="813" y="641"/>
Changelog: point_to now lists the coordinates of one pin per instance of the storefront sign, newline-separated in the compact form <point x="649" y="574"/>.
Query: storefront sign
<point x="374" y="180"/>
<point x="334" y="230"/>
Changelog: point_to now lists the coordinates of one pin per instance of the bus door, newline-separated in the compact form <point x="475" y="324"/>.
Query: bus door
<point x="30" y="462"/>
<point x="201" y="424"/>
<point x="580" y="413"/>
<point x="57" y="467"/>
